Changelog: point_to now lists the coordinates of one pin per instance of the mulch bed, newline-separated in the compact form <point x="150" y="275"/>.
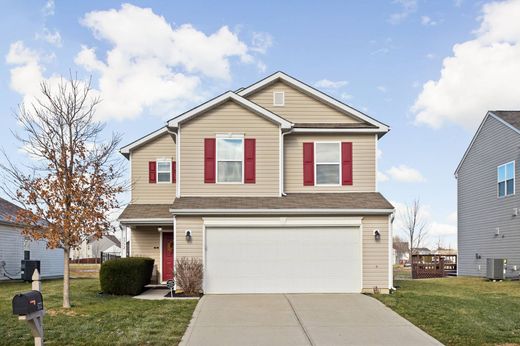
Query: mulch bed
<point x="181" y="295"/>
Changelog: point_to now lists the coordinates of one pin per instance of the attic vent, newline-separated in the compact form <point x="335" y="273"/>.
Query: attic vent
<point x="278" y="98"/>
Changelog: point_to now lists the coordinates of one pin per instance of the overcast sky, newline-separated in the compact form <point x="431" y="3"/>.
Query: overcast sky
<point x="429" y="69"/>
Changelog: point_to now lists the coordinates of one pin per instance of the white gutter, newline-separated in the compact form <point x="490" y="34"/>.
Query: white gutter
<point x="141" y="221"/>
<point x="178" y="160"/>
<point x="282" y="162"/>
<point x="279" y="211"/>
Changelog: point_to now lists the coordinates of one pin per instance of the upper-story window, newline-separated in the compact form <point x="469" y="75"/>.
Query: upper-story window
<point x="164" y="170"/>
<point x="506" y="179"/>
<point x="278" y="98"/>
<point x="230" y="160"/>
<point x="327" y="163"/>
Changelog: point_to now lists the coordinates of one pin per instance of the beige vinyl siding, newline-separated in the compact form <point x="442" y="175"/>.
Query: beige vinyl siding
<point x="299" y="107"/>
<point x="364" y="162"/>
<point x="163" y="147"/>
<point x="194" y="247"/>
<point x="480" y="210"/>
<point x="229" y="118"/>
<point x="146" y="242"/>
<point x="375" y="253"/>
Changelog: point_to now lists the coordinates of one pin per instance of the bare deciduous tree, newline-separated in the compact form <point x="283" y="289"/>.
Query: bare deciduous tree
<point x="73" y="181"/>
<point x="415" y="225"/>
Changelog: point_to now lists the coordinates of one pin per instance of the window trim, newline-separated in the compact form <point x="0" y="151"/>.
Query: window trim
<point x="339" y="163"/>
<point x="228" y="136"/>
<point x="274" y="98"/>
<point x="505" y="181"/>
<point x="157" y="171"/>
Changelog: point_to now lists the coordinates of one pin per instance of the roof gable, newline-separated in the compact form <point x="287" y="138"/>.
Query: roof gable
<point x="229" y="96"/>
<point x="8" y="211"/>
<point x="501" y="119"/>
<point x="322" y="97"/>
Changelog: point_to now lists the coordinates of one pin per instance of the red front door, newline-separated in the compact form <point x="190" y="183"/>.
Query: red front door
<point x="167" y="256"/>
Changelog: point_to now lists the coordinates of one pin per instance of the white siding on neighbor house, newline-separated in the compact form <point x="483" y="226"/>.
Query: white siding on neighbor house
<point x="12" y="252"/>
<point x="480" y="210"/>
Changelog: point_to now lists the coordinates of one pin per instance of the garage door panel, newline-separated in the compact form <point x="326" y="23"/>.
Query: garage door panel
<point x="279" y="260"/>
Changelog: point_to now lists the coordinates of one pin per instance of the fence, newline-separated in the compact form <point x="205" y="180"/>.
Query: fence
<point x="433" y="266"/>
<point x="105" y="256"/>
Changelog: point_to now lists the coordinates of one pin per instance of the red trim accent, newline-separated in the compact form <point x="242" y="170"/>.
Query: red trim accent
<point x="209" y="160"/>
<point x="346" y="163"/>
<point x="308" y="164"/>
<point x="152" y="172"/>
<point x="174" y="172"/>
<point x="250" y="160"/>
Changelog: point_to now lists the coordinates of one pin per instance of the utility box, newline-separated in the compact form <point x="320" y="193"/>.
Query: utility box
<point x="28" y="267"/>
<point x="27" y="303"/>
<point x="496" y="268"/>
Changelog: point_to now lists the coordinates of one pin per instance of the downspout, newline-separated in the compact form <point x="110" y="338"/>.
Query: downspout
<point x="282" y="160"/>
<point x="177" y="157"/>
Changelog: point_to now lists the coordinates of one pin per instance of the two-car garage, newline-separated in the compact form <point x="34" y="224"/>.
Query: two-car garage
<point x="282" y="255"/>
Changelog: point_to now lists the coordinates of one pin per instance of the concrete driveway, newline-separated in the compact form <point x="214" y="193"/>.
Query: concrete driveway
<point x="299" y="319"/>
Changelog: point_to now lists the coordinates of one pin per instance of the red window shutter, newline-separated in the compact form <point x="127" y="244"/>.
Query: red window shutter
<point x="346" y="163"/>
<point x="209" y="160"/>
<point x="308" y="164"/>
<point x="250" y="161"/>
<point x="152" y="172"/>
<point x="174" y="172"/>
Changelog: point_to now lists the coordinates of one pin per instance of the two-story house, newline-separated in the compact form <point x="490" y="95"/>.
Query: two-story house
<point x="272" y="186"/>
<point x="487" y="202"/>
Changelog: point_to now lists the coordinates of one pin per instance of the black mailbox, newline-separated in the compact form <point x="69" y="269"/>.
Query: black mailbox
<point x="28" y="302"/>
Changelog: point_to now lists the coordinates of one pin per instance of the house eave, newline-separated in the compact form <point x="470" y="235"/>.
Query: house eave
<point x="332" y="211"/>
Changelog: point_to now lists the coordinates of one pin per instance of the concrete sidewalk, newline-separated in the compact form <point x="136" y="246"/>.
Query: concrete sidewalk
<point x="299" y="319"/>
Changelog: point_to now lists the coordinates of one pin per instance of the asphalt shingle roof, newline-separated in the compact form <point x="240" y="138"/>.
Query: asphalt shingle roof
<point x="8" y="211"/>
<point x="510" y="117"/>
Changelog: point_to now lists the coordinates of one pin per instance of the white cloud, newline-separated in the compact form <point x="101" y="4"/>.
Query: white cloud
<point x="261" y="42"/>
<point x="48" y="8"/>
<point x="427" y="21"/>
<point x="452" y="217"/>
<point x="379" y="153"/>
<point x="27" y="72"/>
<point x="329" y="84"/>
<point x="407" y="8"/>
<point x="479" y="75"/>
<point x="52" y="37"/>
<point x="405" y="174"/>
<point x="382" y="88"/>
<point x="381" y="177"/>
<point x="458" y="3"/>
<point x="430" y="56"/>
<point x="442" y="229"/>
<point x="153" y="65"/>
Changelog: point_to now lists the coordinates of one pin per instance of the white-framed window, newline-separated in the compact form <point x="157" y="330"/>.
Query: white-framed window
<point x="230" y="159"/>
<point x="327" y="163"/>
<point x="278" y="98"/>
<point x="506" y="179"/>
<point x="164" y="171"/>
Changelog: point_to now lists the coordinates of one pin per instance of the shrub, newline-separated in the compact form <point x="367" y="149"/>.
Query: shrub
<point x="125" y="276"/>
<point x="189" y="275"/>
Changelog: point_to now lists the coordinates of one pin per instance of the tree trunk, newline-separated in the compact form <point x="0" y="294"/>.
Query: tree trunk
<point x="66" y="283"/>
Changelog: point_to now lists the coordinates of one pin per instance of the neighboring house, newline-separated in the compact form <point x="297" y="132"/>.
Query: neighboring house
<point x="422" y="251"/>
<point x="445" y="252"/>
<point x="14" y="248"/>
<point x="401" y="252"/>
<point x="487" y="200"/>
<point x="273" y="187"/>
<point x="92" y="247"/>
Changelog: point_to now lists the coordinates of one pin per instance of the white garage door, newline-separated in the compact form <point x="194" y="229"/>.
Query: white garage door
<point x="283" y="260"/>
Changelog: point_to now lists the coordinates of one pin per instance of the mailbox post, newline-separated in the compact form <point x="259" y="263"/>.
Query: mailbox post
<point x="29" y="307"/>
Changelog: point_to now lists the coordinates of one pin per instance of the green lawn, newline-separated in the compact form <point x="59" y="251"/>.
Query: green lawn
<point x="460" y="311"/>
<point x="96" y="319"/>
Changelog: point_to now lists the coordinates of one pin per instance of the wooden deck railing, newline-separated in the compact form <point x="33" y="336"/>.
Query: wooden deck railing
<point x="433" y="266"/>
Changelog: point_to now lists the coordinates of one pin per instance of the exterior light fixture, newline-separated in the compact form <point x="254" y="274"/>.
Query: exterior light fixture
<point x="188" y="235"/>
<point x="377" y="235"/>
